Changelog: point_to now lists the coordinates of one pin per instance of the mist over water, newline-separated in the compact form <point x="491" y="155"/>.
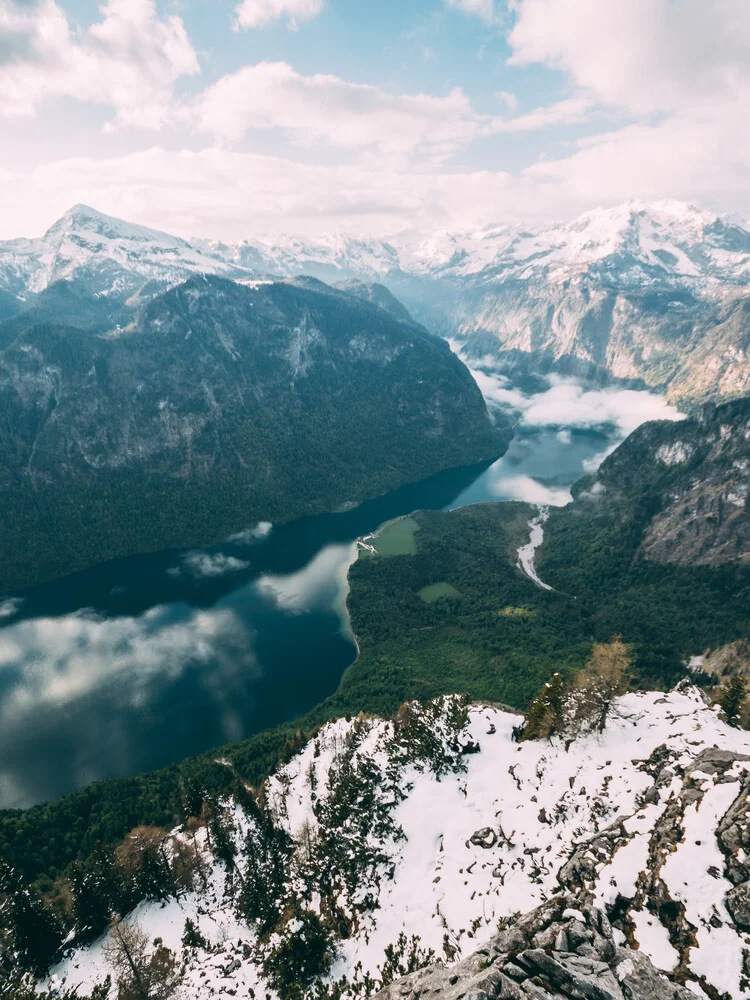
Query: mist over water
<point x="141" y="662"/>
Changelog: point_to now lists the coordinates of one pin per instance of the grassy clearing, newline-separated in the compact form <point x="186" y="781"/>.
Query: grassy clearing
<point x="397" y="538"/>
<point x="437" y="590"/>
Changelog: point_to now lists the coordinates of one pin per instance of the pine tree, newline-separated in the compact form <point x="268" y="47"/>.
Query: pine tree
<point x="733" y="699"/>
<point x="604" y="678"/>
<point x="546" y="713"/>
<point x="36" y="934"/>
<point x="98" y="892"/>
<point x="192" y="937"/>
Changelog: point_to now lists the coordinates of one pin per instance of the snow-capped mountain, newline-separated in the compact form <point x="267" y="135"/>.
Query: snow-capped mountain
<point x="658" y="293"/>
<point x="631" y="245"/>
<point x="110" y="256"/>
<point x="419" y="839"/>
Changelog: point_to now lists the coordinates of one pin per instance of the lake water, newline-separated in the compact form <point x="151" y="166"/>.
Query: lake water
<point x="141" y="662"/>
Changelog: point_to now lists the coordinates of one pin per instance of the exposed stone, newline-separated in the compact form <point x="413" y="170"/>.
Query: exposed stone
<point x="516" y="971"/>
<point x="738" y="904"/>
<point x="486" y="837"/>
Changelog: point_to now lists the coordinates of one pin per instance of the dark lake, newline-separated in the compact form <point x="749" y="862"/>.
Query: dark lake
<point x="140" y="662"/>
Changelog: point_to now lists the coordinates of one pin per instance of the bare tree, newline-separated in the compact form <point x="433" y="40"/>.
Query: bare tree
<point x="139" y="971"/>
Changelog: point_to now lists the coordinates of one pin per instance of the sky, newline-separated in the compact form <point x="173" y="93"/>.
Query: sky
<point x="237" y="119"/>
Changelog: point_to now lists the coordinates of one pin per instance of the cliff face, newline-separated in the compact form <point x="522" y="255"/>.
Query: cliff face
<point x="563" y="949"/>
<point x="218" y="405"/>
<point x="687" y="482"/>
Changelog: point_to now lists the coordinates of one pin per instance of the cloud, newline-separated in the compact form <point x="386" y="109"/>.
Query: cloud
<point x="261" y="530"/>
<point x="204" y="564"/>
<point x="10" y="607"/>
<point x="46" y="663"/>
<point x="483" y="9"/>
<point x="570" y="111"/>
<point x="529" y="490"/>
<point x="679" y="70"/>
<point x="326" y="109"/>
<point x="313" y="586"/>
<point x="644" y="56"/>
<point x="567" y="404"/>
<point x="258" y="13"/>
<point x="129" y="60"/>
<point x="509" y="100"/>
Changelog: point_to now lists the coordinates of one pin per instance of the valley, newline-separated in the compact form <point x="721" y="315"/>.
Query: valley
<point x="332" y="580"/>
<point x="180" y="651"/>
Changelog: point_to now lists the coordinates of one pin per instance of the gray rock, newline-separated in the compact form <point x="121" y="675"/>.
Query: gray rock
<point x="738" y="904"/>
<point x="486" y="838"/>
<point x="515" y="967"/>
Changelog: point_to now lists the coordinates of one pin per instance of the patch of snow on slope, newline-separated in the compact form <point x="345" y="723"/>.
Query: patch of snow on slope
<point x="465" y="848"/>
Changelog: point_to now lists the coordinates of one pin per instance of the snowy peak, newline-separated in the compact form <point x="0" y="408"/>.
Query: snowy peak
<point x="630" y="244"/>
<point x="82" y="220"/>
<point x="109" y="256"/>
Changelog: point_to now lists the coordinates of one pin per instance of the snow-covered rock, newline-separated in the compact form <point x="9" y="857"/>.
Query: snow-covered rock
<point x="419" y="838"/>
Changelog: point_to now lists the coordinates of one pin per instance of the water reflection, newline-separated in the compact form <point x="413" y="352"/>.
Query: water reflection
<point x="143" y="661"/>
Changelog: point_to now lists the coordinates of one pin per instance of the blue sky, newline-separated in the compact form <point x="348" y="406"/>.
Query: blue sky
<point x="235" y="118"/>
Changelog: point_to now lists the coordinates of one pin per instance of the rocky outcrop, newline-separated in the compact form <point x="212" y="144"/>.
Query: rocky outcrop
<point x="563" y="949"/>
<point x="683" y="488"/>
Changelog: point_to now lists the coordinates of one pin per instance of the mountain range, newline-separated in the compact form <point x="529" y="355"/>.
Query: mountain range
<point x="216" y="406"/>
<point x="656" y="294"/>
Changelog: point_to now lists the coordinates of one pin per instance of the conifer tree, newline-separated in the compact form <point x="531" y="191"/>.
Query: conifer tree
<point x="546" y="713"/>
<point x="36" y="934"/>
<point x="733" y="699"/>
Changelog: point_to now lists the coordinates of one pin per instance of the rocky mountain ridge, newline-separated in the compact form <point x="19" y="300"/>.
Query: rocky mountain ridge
<point x="418" y="838"/>
<point x="693" y="475"/>
<point x="654" y="293"/>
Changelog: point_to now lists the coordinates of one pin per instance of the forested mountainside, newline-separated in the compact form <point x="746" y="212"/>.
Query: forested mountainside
<point x="658" y="293"/>
<point x="385" y="846"/>
<point x="453" y="613"/>
<point x="220" y="405"/>
<point x="654" y="547"/>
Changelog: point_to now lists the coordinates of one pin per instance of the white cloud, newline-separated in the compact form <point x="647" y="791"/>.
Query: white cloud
<point x="483" y="9"/>
<point x="258" y="13"/>
<point x="529" y="490"/>
<point x="205" y="564"/>
<point x="569" y="111"/>
<point x="567" y="404"/>
<point x="509" y="99"/>
<point x="129" y="60"/>
<point x="679" y="70"/>
<point x="49" y="662"/>
<point x="313" y="586"/>
<point x="260" y="531"/>
<point x="645" y="56"/>
<point x="10" y="607"/>
<point x="326" y="109"/>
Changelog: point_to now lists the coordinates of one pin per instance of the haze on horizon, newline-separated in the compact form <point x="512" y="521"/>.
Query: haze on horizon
<point x="243" y="118"/>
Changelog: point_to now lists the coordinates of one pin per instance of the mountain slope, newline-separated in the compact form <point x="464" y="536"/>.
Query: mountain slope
<point x="658" y="293"/>
<point x="678" y="491"/>
<point x="219" y="406"/>
<point x="400" y="842"/>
